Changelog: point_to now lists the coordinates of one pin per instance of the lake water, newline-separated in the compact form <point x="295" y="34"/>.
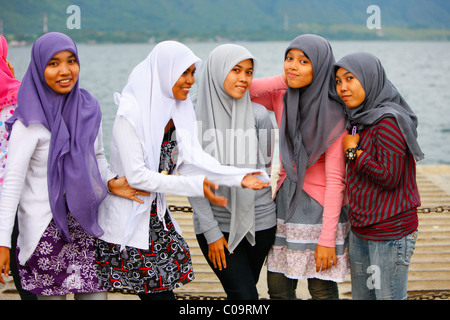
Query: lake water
<point x="419" y="70"/>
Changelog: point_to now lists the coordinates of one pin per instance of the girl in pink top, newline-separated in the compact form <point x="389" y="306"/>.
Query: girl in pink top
<point x="312" y="225"/>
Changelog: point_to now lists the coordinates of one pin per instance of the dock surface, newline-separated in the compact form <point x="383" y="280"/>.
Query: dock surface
<point x="429" y="275"/>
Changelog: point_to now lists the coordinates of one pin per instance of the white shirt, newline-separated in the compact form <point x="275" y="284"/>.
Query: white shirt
<point x="25" y="186"/>
<point x="115" y="212"/>
<point x="147" y="102"/>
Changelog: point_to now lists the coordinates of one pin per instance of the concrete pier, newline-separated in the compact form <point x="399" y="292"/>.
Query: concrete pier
<point x="429" y="272"/>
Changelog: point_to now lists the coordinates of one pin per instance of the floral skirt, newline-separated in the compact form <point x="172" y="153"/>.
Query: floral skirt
<point x="165" y="266"/>
<point x="292" y="253"/>
<point x="59" y="268"/>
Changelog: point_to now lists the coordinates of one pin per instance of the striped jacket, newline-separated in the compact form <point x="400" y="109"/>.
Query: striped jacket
<point x="381" y="184"/>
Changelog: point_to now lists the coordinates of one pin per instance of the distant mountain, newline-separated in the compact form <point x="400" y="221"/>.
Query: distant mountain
<point x="244" y="19"/>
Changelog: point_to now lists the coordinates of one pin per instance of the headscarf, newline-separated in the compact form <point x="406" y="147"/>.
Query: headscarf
<point x="9" y="85"/>
<point x="147" y="102"/>
<point x="74" y="180"/>
<point x="311" y="121"/>
<point x="230" y="124"/>
<point x="382" y="99"/>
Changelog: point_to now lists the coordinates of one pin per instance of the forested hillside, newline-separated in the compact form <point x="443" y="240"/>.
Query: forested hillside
<point x="139" y="20"/>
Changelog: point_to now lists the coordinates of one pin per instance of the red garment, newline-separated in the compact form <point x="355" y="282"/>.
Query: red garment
<point x="381" y="185"/>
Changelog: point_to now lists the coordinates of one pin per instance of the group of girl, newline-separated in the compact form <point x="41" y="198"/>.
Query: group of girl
<point x="346" y="197"/>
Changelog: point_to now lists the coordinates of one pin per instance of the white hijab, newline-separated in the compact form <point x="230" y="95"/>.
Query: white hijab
<point x="147" y="102"/>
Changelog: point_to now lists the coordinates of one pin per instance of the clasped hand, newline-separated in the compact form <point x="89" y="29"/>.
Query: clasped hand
<point x="250" y="181"/>
<point x="350" y="141"/>
<point x="120" y="187"/>
<point x="217" y="250"/>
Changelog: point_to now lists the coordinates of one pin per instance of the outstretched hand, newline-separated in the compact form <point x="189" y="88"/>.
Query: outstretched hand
<point x="250" y="181"/>
<point x="209" y="194"/>
<point x="120" y="187"/>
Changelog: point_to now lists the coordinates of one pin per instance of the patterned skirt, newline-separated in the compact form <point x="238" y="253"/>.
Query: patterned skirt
<point x="293" y="251"/>
<point x="59" y="268"/>
<point x="165" y="266"/>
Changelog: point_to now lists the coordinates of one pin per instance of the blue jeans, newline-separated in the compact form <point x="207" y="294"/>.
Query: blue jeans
<point x="379" y="269"/>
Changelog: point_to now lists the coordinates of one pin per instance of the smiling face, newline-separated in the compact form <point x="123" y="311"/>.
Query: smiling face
<point x="298" y="69"/>
<point x="61" y="72"/>
<point x="349" y="88"/>
<point x="239" y="79"/>
<point x="184" y="83"/>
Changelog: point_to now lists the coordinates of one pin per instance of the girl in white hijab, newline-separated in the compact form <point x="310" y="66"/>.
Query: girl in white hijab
<point x="236" y="132"/>
<point x="142" y="249"/>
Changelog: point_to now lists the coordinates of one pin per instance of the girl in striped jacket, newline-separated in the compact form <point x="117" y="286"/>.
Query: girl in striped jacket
<point x="382" y="151"/>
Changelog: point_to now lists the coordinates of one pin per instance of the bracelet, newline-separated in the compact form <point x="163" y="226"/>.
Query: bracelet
<point x="351" y="153"/>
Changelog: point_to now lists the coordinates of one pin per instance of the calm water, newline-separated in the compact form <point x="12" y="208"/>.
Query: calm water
<point x="419" y="70"/>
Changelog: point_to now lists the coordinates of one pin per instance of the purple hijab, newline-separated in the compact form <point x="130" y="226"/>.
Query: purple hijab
<point x="74" y="181"/>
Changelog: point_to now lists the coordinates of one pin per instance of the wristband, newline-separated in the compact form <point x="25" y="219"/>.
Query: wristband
<point x="351" y="153"/>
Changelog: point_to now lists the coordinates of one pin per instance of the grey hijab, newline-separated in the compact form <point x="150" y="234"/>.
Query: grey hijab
<point x="382" y="99"/>
<point x="221" y="117"/>
<point x="311" y="121"/>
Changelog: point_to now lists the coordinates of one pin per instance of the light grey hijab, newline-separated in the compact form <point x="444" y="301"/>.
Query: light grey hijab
<point x="222" y="117"/>
<point x="311" y="120"/>
<point x="382" y="99"/>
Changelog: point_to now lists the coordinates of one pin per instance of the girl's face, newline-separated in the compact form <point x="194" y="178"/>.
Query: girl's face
<point x="239" y="79"/>
<point x="349" y="88"/>
<point x="298" y="69"/>
<point x="182" y="87"/>
<point x="61" y="72"/>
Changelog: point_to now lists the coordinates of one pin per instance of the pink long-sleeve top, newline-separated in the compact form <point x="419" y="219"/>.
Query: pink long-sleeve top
<point x="325" y="179"/>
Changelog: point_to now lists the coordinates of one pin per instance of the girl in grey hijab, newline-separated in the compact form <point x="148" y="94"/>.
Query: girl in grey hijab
<point x="312" y="225"/>
<point x="311" y="120"/>
<point x="236" y="132"/>
<point x="381" y="176"/>
<point x="382" y="99"/>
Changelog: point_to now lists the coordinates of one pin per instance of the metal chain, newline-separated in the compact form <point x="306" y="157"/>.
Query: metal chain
<point x="188" y="209"/>
<point x="185" y="296"/>
<point x="439" y="209"/>
<point x="443" y="295"/>
<point x="180" y="208"/>
<point x="424" y="296"/>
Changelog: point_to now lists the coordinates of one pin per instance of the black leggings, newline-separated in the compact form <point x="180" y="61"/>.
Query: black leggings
<point x="241" y="275"/>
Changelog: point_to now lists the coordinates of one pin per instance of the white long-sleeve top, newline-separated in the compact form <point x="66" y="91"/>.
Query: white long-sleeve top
<point x="115" y="212"/>
<point x="25" y="188"/>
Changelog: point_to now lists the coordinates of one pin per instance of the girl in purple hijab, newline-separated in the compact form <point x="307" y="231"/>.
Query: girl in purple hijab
<point x="57" y="175"/>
